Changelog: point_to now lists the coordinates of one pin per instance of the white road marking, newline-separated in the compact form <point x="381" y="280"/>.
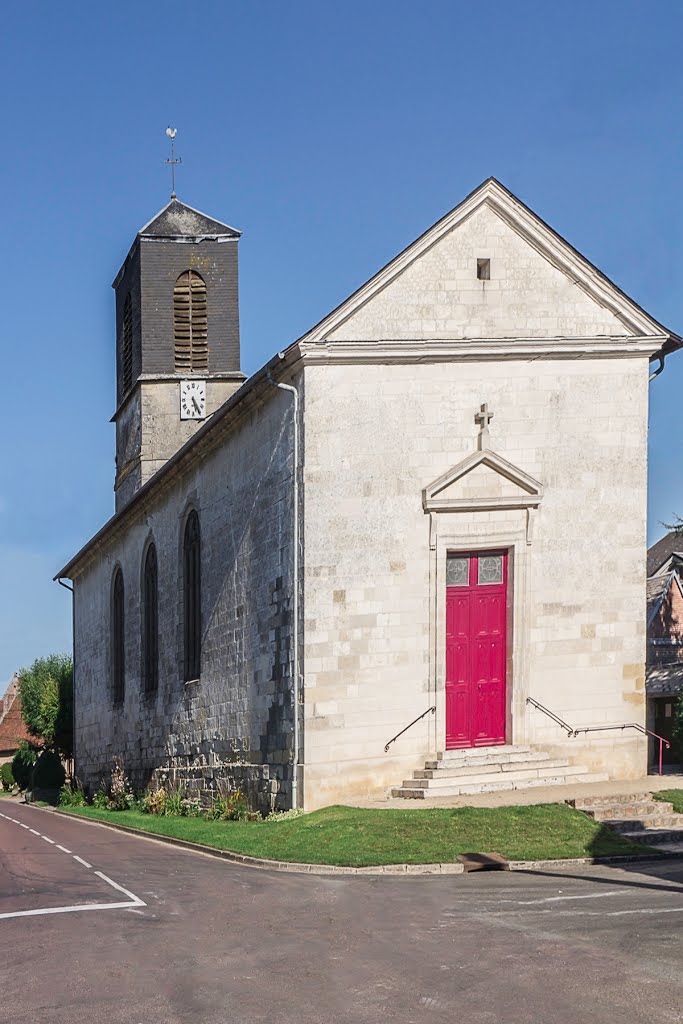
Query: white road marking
<point x="126" y="892"/>
<point x="133" y="901"/>
<point x="559" y="899"/>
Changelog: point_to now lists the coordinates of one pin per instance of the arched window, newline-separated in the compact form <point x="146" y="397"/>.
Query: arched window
<point x="118" y="639"/>
<point x="192" y="597"/>
<point x="150" y="619"/>
<point x="127" y="346"/>
<point x="190" y="328"/>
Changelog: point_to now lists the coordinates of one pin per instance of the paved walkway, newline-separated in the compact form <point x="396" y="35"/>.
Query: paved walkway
<point x="536" y="795"/>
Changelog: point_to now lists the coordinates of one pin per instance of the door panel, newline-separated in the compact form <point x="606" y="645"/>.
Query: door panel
<point x="476" y="632"/>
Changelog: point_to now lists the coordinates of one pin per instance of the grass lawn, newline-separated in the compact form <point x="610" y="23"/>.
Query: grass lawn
<point x="671" y="796"/>
<point x="363" y="837"/>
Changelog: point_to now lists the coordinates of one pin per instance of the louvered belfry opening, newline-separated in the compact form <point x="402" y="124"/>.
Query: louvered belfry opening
<point x="127" y="346"/>
<point x="190" y="324"/>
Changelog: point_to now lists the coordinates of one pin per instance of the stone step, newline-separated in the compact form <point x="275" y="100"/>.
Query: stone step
<point x="648" y="821"/>
<point x="581" y="803"/>
<point x="642" y="808"/>
<point x="488" y="758"/>
<point x="411" y="791"/>
<point x="656" y="836"/>
<point x="448" y="772"/>
<point x="439" y="780"/>
<point x="500" y="750"/>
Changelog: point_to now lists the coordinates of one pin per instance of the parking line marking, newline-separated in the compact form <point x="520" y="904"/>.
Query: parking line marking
<point x="62" y="848"/>
<point x="34" y="832"/>
<point x="81" y="861"/>
<point x="22" y="824"/>
<point x="48" y="840"/>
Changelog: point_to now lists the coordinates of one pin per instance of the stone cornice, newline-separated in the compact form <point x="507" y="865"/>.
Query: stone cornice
<point x="460" y="350"/>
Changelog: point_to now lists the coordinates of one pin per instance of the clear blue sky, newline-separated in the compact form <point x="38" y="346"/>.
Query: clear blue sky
<point x="332" y="135"/>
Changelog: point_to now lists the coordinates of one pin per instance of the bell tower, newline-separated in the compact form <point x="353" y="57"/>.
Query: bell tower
<point x="177" y="338"/>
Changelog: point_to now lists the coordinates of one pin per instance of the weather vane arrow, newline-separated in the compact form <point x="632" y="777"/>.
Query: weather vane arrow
<point x="171" y="132"/>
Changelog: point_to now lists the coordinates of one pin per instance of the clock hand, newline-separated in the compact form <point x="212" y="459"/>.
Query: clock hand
<point x="196" y="404"/>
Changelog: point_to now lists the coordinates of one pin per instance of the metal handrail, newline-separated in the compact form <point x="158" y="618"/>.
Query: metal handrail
<point x="603" y="728"/>
<point x="419" y="718"/>
<point x="551" y="714"/>
<point x="630" y="725"/>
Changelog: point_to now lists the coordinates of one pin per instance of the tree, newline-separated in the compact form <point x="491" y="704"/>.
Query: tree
<point x="46" y="691"/>
<point x="676" y="527"/>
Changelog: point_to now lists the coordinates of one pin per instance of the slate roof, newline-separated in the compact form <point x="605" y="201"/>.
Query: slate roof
<point x="671" y="543"/>
<point x="656" y="588"/>
<point x="664" y="680"/>
<point x="177" y="220"/>
<point x="12" y="728"/>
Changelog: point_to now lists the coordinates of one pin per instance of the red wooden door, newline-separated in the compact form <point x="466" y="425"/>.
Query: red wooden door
<point x="476" y="630"/>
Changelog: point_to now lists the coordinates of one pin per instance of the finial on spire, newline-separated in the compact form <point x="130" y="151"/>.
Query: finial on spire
<point x="171" y="132"/>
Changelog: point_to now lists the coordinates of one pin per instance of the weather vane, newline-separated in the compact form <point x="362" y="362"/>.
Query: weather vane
<point x="171" y="132"/>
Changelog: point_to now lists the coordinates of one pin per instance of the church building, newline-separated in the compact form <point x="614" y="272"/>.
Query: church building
<point x="406" y="556"/>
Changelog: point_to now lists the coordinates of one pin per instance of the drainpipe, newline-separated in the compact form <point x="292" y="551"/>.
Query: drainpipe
<point x="295" y="695"/>
<point x="73" y="672"/>
<point x="661" y="357"/>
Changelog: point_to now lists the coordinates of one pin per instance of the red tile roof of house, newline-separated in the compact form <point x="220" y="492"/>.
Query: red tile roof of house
<point x="12" y="728"/>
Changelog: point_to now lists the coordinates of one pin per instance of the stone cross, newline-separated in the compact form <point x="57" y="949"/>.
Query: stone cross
<point x="483" y="418"/>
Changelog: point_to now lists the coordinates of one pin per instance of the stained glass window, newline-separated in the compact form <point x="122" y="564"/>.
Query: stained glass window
<point x="457" y="571"/>
<point x="490" y="569"/>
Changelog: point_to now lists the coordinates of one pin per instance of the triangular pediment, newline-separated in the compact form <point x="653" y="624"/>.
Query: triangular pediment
<point x="539" y="287"/>
<point x="484" y="480"/>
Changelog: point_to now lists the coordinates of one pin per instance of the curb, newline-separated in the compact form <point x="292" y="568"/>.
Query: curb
<point x="270" y="865"/>
<point x="295" y="867"/>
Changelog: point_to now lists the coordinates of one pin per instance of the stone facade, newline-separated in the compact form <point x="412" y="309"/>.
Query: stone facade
<point x="237" y="720"/>
<point x="394" y="473"/>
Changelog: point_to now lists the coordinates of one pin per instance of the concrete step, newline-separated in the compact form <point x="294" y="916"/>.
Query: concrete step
<point x="641" y="809"/>
<point x="490" y="757"/>
<point x="543" y="770"/>
<point x="412" y="791"/>
<point x="501" y="751"/>
<point x="447" y="772"/>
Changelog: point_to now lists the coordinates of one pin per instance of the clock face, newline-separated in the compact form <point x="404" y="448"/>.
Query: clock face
<point x="192" y="399"/>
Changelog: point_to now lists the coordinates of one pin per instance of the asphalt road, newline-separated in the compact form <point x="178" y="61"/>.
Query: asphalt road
<point x="173" y="936"/>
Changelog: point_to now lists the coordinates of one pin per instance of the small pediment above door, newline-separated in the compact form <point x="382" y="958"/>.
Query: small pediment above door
<point x="482" y="481"/>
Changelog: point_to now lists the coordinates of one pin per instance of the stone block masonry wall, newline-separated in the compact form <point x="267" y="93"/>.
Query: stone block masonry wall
<point x="235" y="723"/>
<point x="577" y="426"/>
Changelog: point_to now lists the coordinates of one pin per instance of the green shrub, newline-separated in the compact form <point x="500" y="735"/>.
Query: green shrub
<point x="22" y="765"/>
<point x="154" y="801"/>
<point x="121" y="796"/>
<point x="6" y="776"/>
<point x="231" y="806"/>
<point x="71" y="795"/>
<point x="101" y="800"/>
<point x="48" y="772"/>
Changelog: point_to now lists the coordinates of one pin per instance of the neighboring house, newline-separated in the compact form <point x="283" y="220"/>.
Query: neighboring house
<point x="664" y="675"/>
<point x="12" y="728"/>
<point x="665" y="555"/>
<point x="413" y="506"/>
